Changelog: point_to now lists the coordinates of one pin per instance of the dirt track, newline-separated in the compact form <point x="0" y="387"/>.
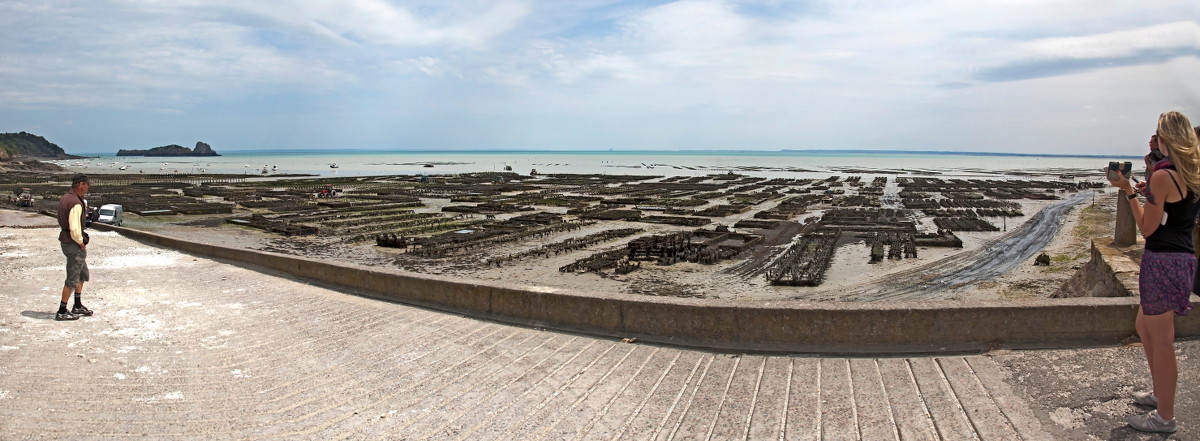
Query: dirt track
<point x="941" y="279"/>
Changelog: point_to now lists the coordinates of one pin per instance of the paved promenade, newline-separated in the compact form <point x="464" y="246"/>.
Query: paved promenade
<point x="193" y="348"/>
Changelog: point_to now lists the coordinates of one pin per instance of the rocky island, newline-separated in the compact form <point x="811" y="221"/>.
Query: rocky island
<point x="202" y="149"/>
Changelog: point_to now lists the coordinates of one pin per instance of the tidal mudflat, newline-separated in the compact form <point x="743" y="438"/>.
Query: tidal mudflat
<point x="860" y="234"/>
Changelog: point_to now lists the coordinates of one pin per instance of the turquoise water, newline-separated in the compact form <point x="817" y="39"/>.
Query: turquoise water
<point x="793" y="164"/>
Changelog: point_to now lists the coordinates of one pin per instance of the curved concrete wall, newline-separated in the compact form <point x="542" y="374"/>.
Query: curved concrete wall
<point x="787" y="326"/>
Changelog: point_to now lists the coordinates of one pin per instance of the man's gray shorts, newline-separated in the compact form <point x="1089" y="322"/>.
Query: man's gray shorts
<point x="77" y="270"/>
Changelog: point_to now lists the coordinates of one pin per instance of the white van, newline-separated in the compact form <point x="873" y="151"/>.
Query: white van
<point x="111" y="214"/>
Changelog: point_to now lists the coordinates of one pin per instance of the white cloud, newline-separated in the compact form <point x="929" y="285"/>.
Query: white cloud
<point x="615" y="66"/>
<point x="379" y="22"/>
<point x="129" y="54"/>
<point x="691" y="26"/>
<point x="1183" y="35"/>
<point x="430" y="66"/>
<point x="693" y="40"/>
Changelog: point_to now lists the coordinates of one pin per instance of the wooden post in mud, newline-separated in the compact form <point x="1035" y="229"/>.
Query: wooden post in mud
<point x="1125" y="232"/>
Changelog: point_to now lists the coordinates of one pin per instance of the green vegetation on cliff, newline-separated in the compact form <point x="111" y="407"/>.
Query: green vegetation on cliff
<point x="28" y="145"/>
<point x="202" y="149"/>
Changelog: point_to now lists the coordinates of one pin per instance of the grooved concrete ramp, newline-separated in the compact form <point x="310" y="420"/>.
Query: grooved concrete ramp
<point x="189" y="347"/>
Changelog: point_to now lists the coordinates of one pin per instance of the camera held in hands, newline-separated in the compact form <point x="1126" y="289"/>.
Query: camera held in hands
<point x="1113" y="167"/>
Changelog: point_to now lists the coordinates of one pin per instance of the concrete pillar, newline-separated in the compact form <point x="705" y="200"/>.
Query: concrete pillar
<point x="1125" y="233"/>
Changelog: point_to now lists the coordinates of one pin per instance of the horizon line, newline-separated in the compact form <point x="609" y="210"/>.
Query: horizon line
<point x="883" y="151"/>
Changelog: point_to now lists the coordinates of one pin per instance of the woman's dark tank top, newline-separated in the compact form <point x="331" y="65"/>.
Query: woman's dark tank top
<point x="1176" y="235"/>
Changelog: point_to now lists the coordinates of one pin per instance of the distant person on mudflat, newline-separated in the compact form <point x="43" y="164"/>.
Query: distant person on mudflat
<point x="1168" y="262"/>
<point x="72" y="213"/>
<point x="1151" y="158"/>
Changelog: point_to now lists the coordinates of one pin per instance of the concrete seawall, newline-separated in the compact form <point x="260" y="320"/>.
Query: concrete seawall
<point x="1109" y="273"/>
<point x="783" y="326"/>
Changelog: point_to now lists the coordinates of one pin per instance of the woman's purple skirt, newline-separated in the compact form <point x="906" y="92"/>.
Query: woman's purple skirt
<point x="1166" y="282"/>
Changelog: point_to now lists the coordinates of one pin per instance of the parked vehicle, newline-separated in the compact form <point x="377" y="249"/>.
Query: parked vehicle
<point x="23" y="197"/>
<point x="328" y="192"/>
<point x="111" y="214"/>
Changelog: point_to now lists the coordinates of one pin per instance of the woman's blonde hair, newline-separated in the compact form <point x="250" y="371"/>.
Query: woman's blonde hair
<point x="1176" y="132"/>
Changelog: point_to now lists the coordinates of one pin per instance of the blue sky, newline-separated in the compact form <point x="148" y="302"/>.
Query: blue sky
<point x="1069" y="76"/>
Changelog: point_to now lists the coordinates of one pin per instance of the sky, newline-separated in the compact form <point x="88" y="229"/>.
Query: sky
<point x="1017" y="76"/>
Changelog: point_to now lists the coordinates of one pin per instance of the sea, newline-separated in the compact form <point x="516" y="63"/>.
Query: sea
<point x="771" y="164"/>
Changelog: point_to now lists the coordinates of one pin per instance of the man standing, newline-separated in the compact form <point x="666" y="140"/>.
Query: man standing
<point x="72" y="210"/>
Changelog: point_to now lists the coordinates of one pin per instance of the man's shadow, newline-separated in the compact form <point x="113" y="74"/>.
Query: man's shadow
<point x="40" y="315"/>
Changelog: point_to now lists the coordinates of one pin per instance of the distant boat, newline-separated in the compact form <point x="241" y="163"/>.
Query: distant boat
<point x="333" y="165"/>
<point x="508" y="168"/>
<point x="427" y="166"/>
<point x="124" y="167"/>
<point x="264" y="171"/>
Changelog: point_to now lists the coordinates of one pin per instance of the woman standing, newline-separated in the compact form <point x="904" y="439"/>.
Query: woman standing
<point x="1168" y="262"/>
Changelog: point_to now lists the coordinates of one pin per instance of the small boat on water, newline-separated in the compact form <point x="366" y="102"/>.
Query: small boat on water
<point x="427" y="166"/>
<point x="333" y="165"/>
<point x="124" y="167"/>
<point x="508" y="168"/>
